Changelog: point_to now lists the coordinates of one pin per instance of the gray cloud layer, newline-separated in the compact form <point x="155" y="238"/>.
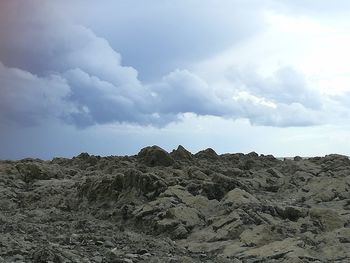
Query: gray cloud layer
<point x="156" y="37"/>
<point x="54" y="69"/>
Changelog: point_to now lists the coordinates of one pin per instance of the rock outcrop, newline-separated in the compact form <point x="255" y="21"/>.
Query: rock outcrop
<point x="177" y="207"/>
<point x="155" y="156"/>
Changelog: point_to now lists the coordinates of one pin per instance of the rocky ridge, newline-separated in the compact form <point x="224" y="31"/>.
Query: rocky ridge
<point x="175" y="207"/>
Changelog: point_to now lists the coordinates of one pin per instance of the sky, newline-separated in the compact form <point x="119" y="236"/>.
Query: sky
<point x="110" y="77"/>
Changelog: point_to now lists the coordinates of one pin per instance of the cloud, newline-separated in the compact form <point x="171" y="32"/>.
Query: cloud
<point x="101" y="101"/>
<point x="53" y="68"/>
<point x="112" y="78"/>
<point x="27" y="99"/>
<point x="285" y="85"/>
<point x="182" y="91"/>
<point x="158" y="36"/>
<point x="320" y="7"/>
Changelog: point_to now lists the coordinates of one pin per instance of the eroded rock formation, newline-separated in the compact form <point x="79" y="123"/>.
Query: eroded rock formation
<point x="177" y="207"/>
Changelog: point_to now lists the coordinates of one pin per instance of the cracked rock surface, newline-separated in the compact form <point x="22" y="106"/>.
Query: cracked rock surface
<point x="175" y="207"/>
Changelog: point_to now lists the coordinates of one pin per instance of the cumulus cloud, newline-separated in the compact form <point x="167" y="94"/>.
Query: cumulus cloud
<point x="158" y="36"/>
<point x="182" y="91"/>
<point x="53" y="68"/>
<point x="27" y="99"/>
<point x="286" y="85"/>
<point x="101" y="101"/>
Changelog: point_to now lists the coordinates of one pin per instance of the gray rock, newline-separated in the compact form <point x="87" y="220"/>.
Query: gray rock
<point x="160" y="207"/>
<point x="155" y="156"/>
<point x="181" y="154"/>
<point x="209" y="154"/>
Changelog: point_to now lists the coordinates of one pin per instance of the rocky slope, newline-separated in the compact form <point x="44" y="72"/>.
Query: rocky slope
<point x="177" y="207"/>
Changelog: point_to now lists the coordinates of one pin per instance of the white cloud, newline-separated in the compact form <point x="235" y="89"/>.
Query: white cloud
<point x="284" y="86"/>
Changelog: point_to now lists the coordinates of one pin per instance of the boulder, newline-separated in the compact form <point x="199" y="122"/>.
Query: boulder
<point x="208" y="153"/>
<point x="155" y="156"/>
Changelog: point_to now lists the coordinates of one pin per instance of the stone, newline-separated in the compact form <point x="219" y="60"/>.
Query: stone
<point x="209" y="154"/>
<point x="275" y="250"/>
<point x="329" y="219"/>
<point x="155" y="156"/>
<point x="258" y="236"/>
<point x="161" y="207"/>
<point x="186" y="215"/>
<point x="238" y="197"/>
<point x="97" y="259"/>
<point x="181" y="154"/>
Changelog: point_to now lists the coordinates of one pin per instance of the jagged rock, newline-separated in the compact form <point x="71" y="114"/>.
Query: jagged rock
<point x="181" y="154"/>
<point x="186" y="215"/>
<point x="220" y="185"/>
<point x="258" y="236"/>
<point x="195" y="173"/>
<point x="207" y="154"/>
<point x="276" y="250"/>
<point x="292" y="213"/>
<point x="114" y="187"/>
<point x="31" y="172"/>
<point x="44" y="255"/>
<point x="178" y="206"/>
<point x="155" y="156"/>
<point x="329" y="219"/>
<point x="238" y="197"/>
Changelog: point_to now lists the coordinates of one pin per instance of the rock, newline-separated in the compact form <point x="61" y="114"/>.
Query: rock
<point x="220" y="185"/>
<point x="197" y="174"/>
<point x="329" y="219"/>
<point x="31" y="172"/>
<point x="186" y="215"/>
<point x="117" y="186"/>
<point x="209" y="154"/>
<point x="97" y="259"/>
<point x="108" y="243"/>
<point x="155" y="156"/>
<point x="207" y="247"/>
<point x="297" y="158"/>
<point x="181" y="154"/>
<point x="17" y="258"/>
<point x="46" y="254"/>
<point x="160" y="207"/>
<point x="275" y="173"/>
<point x="186" y="259"/>
<point x="238" y="197"/>
<point x="234" y="249"/>
<point x="258" y="236"/>
<point x="275" y="250"/>
<point x="292" y="213"/>
<point x="179" y="232"/>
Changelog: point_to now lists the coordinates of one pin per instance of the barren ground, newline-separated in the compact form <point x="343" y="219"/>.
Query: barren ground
<point x="177" y="207"/>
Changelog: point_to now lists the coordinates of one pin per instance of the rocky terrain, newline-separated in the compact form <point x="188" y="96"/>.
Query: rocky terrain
<point x="175" y="207"/>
